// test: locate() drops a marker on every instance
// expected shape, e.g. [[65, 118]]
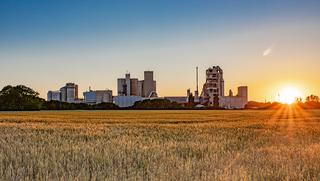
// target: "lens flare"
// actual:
[[288, 94]]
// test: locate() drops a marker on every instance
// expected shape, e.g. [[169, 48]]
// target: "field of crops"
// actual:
[[279, 144]]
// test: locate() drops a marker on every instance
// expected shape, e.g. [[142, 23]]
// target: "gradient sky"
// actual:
[[45, 44]]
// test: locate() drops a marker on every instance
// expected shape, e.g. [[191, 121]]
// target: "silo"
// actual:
[[76, 91], [243, 92], [140, 88], [70, 92], [128, 84], [63, 94], [134, 87], [148, 83], [121, 83], [154, 86]]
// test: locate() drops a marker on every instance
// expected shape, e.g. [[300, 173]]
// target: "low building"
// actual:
[[235, 102], [53, 96], [98, 96], [126, 101]]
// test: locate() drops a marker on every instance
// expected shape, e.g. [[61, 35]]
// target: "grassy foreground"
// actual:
[[279, 144]]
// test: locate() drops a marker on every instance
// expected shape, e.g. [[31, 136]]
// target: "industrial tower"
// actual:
[[213, 88]]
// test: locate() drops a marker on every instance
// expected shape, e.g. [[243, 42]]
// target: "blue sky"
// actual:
[[45, 44]]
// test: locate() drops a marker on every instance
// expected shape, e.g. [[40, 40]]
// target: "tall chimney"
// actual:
[[197, 77], [196, 93]]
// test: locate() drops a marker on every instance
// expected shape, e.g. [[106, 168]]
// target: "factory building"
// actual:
[[136, 89], [53, 96], [127, 86], [98, 96], [235, 102], [126, 101], [148, 83], [213, 88], [213, 91], [68, 93], [133, 87]]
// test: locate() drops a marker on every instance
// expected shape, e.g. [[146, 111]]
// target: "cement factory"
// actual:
[[213, 92], [131, 90]]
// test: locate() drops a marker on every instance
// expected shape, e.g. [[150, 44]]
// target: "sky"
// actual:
[[265, 45]]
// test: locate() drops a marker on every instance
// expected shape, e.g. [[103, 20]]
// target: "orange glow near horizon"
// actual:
[[288, 94]]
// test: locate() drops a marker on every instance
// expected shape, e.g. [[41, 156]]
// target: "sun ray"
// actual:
[[288, 95]]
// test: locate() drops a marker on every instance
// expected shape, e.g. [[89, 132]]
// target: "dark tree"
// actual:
[[312, 98], [19, 97], [298, 100], [156, 104]]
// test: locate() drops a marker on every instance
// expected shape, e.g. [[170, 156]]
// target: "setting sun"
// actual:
[[288, 94]]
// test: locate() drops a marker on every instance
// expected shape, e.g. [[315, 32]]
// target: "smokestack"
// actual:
[[197, 77], [196, 93]]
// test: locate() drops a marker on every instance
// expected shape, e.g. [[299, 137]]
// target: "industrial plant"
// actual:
[[98, 96], [213, 92], [68, 93], [131, 90]]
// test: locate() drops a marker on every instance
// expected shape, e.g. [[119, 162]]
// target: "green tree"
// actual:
[[19, 97]]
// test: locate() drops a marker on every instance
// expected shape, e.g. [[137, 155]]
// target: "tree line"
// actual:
[[311, 102], [21, 97]]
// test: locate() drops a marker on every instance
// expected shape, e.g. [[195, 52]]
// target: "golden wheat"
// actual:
[[160, 145]]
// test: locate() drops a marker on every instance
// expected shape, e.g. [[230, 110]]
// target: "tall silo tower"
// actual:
[[148, 83]]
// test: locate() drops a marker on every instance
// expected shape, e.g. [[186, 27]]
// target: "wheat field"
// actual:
[[279, 144]]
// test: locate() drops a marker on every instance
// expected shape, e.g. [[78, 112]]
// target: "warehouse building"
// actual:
[[126, 101], [98, 96], [235, 102]]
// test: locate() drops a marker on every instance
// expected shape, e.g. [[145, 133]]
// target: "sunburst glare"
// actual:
[[288, 94]]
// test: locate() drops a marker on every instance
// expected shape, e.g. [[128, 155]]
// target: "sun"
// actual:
[[288, 94]]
